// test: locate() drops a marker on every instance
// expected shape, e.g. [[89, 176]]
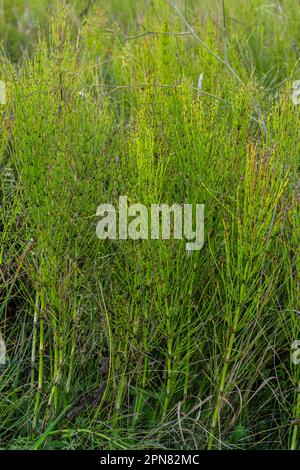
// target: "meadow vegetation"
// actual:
[[136, 344]]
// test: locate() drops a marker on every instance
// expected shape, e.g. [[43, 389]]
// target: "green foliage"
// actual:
[[103, 101]]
